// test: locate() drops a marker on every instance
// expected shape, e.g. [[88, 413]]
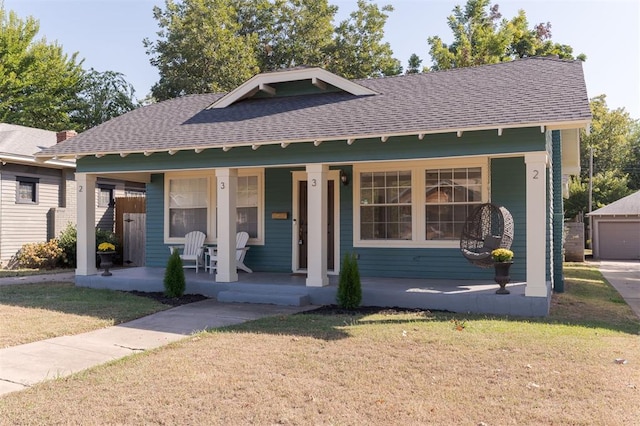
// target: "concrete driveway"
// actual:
[[624, 276]]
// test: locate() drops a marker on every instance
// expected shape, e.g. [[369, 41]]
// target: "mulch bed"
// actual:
[[322, 310]]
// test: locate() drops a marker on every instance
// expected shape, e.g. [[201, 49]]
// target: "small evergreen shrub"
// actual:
[[68, 241], [43, 255], [174, 281], [349, 294]]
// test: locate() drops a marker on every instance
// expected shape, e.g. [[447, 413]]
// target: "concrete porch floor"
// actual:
[[463, 296]]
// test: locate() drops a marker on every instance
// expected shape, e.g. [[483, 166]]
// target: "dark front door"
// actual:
[[303, 225]]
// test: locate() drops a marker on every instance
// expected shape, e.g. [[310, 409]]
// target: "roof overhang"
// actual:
[[262, 82], [31, 160], [350, 139]]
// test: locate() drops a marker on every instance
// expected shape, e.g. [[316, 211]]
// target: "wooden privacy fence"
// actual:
[[130, 228]]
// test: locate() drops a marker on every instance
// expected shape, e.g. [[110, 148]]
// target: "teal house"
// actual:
[[314, 166]]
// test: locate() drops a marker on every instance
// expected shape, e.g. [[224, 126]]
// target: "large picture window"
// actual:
[[188, 206], [385, 205], [450, 196], [418, 203]]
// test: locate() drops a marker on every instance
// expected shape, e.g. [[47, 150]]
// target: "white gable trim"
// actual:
[[318, 77]]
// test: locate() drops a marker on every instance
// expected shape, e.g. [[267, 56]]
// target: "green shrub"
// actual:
[[349, 294], [43, 255], [174, 281], [68, 242]]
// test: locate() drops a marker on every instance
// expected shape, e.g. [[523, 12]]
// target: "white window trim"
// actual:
[[210, 188], [213, 202], [418, 209], [259, 241]]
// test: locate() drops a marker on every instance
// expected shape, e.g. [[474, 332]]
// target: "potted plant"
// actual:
[[106, 252], [502, 261]]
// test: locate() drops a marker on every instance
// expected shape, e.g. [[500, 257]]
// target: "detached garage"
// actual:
[[616, 229]]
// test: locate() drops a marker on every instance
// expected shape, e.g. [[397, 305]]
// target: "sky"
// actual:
[[108, 35]]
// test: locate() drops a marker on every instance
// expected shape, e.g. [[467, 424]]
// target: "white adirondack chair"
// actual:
[[241, 250], [191, 250]]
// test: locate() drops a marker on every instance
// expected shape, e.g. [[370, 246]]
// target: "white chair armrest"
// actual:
[[172, 248]]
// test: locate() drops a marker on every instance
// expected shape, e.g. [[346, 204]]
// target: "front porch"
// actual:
[[461, 296]]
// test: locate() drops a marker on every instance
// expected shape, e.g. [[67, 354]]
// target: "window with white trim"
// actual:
[[247, 205], [416, 203], [385, 205], [188, 205], [450, 196], [191, 204]]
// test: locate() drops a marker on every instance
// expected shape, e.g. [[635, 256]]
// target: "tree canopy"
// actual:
[[38, 82], [215, 45], [615, 141], [103, 96], [41, 86], [481, 36]]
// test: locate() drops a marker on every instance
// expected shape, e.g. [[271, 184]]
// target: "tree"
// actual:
[[38, 82], [614, 139], [632, 166], [610, 137], [289, 32], [359, 51], [482, 37], [215, 45], [103, 96], [414, 64], [200, 48], [608, 186]]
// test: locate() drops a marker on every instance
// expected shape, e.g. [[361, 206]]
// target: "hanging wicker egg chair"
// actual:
[[487, 228]]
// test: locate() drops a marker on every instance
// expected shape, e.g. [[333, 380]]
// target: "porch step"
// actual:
[[282, 299]]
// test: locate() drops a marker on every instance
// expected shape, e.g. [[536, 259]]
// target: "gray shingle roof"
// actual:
[[23, 140], [528, 92], [627, 206]]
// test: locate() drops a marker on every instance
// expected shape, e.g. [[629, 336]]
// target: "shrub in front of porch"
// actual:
[[174, 281], [349, 295]]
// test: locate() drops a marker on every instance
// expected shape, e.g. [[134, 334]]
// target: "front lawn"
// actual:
[[31, 312], [384, 368]]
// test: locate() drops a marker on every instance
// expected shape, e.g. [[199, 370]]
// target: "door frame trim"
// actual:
[[297, 176]]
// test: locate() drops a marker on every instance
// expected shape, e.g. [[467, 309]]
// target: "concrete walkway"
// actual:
[[25, 365], [624, 276]]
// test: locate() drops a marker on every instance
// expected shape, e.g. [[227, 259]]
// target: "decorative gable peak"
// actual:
[[265, 84]]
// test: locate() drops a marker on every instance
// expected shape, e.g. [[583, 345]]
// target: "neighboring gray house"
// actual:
[[38, 199], [616, 229]]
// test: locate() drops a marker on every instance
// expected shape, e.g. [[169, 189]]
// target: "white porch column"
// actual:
[[536, 165], [86, 246], [317, 225], [227, 184]]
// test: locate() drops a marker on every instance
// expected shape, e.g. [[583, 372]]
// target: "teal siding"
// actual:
[[507, 177], [397, 148], [157, 253], [558, 215], [508, 189], [346, 216], [275, 255]]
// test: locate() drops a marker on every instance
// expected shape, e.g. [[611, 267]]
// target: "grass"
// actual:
[[31, 312], [388, 368], [6, 273]]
